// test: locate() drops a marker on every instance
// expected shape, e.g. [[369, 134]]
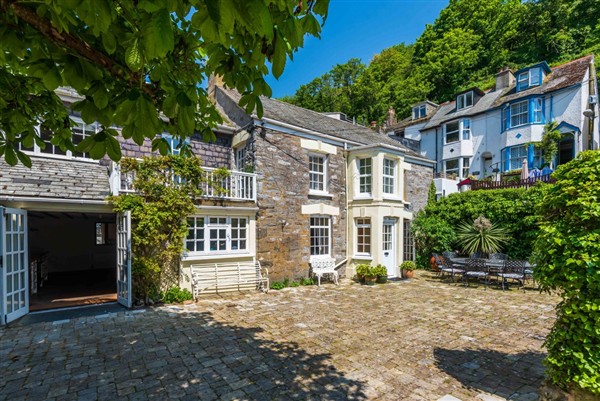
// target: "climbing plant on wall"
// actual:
[[166, 190]]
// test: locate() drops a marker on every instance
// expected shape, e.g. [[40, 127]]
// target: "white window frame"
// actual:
[[389, 176], [365, 179], [36, 150], [363, 239], [516, 160], [523, 78], [240, 158], [321, 224], [538, 75], [419, 111], [466, 165], [454, 170], [466, 129], [457, 132], [314, 175], [516, 119], [538, 110], [200, 235], [465, 100]]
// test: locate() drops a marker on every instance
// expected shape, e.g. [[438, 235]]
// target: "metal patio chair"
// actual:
[[513, 270], [498, 256], [477, 268], [450, 268]]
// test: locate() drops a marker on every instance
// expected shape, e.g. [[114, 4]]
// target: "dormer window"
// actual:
[[465, 100], [529, 78], [419, 111]]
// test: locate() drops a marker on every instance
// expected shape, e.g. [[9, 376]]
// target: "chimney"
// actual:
[[504, 78], [374, 125], [213, 82], [391, 117]]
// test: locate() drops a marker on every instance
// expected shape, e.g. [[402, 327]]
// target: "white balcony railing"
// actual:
[[237, 186]]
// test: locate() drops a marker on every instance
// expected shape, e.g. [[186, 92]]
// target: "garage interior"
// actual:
[[72, 259]]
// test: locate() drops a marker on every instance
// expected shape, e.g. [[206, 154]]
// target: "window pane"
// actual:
[[452, 132], [319, 236]]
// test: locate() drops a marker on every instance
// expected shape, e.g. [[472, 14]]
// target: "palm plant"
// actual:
[[482, 236]]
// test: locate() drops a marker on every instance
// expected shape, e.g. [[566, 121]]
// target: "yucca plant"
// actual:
[[482, 236]]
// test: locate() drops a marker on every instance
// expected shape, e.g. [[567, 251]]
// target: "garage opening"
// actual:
[[72, 259]]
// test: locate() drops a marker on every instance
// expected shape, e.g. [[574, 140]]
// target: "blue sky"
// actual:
[[356, 28]]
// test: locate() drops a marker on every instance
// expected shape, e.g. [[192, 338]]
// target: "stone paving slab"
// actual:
[[421, 339]]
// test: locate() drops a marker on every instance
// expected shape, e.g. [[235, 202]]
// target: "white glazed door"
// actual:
[[124, 259], [14, 262], [389, 247]]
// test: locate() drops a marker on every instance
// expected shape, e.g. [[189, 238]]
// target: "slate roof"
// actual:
[[55, 178], [314, 121], [407, 122], [562, 76]]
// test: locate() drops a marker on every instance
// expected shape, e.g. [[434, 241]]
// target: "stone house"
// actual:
[[484, 133], [326, 188], [61, 244]]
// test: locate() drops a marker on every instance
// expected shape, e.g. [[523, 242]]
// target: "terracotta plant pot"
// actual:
[[433, 264], [370, 280], [408, 273]]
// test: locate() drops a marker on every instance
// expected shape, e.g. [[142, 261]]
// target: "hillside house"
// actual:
[[483, 133]]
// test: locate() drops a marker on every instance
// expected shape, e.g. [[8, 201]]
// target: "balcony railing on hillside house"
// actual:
[[527, 183], [238, 186]]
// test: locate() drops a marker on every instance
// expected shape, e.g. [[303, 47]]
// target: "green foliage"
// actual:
[[408, 265], [432, 194], [278, 285], [567, 253], [432, 234], [434, 226], [134, 61], [482, 237], [307, 281], [550, 139], [470, 41], [176, 295], [285, 283], [367, 271], [158, 212], [379, 271]]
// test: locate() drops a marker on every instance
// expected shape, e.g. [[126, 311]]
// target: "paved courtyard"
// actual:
[[415, 340]]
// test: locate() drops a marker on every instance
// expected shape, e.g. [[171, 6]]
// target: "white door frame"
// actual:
[[393, 269], [19, 274], [124, 259]]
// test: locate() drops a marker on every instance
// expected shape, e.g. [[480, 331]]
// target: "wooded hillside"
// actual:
[[469, 42]]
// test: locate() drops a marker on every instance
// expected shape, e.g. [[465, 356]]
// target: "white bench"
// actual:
[[321, 267], [221, 277]]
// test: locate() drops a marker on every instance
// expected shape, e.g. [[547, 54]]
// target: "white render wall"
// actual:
[[488, 137]]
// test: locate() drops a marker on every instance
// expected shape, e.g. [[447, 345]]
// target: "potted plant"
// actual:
[[363, 270], [408, 267], [482, 237], [380, 271]]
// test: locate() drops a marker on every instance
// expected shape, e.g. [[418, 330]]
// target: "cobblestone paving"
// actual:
[[415, 340]]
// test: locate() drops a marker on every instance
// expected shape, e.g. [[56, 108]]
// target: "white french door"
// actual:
[[389, 247], [124, 259], [14, 262]]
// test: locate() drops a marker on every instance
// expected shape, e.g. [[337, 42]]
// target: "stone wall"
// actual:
[[283, 240], [418, 182]]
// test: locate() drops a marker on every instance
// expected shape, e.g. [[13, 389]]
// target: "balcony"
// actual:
[[237, 186]]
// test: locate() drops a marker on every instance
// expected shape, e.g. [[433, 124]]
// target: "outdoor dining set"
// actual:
[[497, 267]]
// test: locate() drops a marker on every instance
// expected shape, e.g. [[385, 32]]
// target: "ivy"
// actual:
[[166, 191], [435, 227], [567, 253]]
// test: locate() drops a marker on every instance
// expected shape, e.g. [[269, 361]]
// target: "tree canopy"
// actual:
[[139, 65], [469, 42]]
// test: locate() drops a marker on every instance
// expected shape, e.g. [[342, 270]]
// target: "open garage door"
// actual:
[[124, 296], [14, 282]]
